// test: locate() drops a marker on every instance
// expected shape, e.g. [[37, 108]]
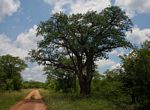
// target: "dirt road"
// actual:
[[33, 101]]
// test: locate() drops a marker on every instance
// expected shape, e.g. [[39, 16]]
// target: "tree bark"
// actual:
[[85, 75], [85, 86], [133, 99]]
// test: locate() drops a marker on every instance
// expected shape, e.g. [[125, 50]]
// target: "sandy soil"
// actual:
[[33, 101]]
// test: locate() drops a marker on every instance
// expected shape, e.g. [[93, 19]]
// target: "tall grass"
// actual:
[[62, 101], [8, 99]]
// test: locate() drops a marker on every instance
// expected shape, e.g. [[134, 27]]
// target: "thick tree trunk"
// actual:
[[133, 99], [85, 86], [85, 75]]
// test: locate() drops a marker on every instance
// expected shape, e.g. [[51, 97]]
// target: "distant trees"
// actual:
[[10, 69], [84, 38], [33, 84], [60, 79]]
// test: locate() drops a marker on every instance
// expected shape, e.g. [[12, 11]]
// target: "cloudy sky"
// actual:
[[19, 20]]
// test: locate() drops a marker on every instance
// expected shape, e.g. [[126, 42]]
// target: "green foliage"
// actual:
[[60, 80], [33, 84], [108, 86], [8, 99], [96, 81], [128, 86], [10, 68], [84, 38], [71, 101], [135, 75]]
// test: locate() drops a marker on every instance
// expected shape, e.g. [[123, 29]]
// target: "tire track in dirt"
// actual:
[[33, 101]]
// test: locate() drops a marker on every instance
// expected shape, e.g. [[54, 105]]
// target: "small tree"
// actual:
[[10, 68], [84, 38], [135, 75]]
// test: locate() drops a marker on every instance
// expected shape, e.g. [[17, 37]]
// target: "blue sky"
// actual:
[[19, 20]]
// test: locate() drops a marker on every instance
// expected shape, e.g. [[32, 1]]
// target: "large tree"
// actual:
[[10, 68], [84, 38]]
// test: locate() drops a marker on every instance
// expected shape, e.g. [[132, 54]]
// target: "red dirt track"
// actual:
[[33, 101]]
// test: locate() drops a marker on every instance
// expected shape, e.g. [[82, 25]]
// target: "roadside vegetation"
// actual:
[[70, 101], [8, 99]]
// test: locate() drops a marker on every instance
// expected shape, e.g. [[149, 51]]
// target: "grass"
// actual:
[[8, 99], [62, 101]]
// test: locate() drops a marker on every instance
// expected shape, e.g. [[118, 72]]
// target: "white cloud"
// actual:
[[120, 52], [83, 6], [116, 66], [133, 6], [7, 46], [23, 43], [103, 63], [78, 6], [28, 40], [34, 73], [139, 35], [8, 7], [20, 47]]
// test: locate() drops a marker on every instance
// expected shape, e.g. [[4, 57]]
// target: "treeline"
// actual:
[[33, 84]]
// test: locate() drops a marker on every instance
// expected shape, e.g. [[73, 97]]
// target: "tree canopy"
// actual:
[[84, 38], [10, 69], [135, 75]]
